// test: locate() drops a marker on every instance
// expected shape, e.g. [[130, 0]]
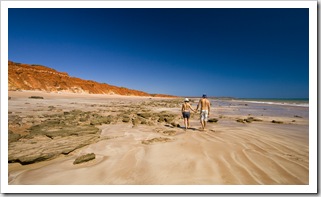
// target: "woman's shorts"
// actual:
[[186, 114]]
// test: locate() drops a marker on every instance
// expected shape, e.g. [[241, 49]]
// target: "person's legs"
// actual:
[[188, 123], [185, 123], [186, 116], [203, 119], [204, 124]]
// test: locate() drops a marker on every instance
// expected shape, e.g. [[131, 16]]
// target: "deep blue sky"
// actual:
[[244, 53]]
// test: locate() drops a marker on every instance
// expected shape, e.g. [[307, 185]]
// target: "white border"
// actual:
[[158, 4], [311, 188]]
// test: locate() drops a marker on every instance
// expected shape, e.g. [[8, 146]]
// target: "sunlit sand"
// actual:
[[138, 147]]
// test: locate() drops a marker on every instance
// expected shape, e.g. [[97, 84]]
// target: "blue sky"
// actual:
[[244, 53]]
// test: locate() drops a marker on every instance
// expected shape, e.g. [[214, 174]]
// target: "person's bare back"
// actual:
[[186, 107], [205, 104], [205, 107]]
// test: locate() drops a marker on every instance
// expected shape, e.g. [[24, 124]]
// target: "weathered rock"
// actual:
[[13, 137], [166, 117], [251, 119], [248, 120], [212, 120], [144, 115], [102, 120], [126, 119], [40, 148], [36, 97], [277, 122], [155, 140], [240, 120], [84, 158], [57, 134], [14, 120], [175, 124], [169, 132]]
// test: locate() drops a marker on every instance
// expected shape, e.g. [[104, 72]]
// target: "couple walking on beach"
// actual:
[[204, 105]]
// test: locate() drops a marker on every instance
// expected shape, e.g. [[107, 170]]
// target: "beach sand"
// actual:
[[155, 152]]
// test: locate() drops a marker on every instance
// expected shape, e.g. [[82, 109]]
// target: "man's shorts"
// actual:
[[204, 115], [186, 114]]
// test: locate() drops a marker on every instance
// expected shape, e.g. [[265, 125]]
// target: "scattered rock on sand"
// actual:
[[126, 119], [144, 115], [155, 140], [169, 132], [36, 97], [56, 134], [251, 119], [212, 120], [84, 158], [175, 124], [240, 120], [247, 120], [277, 122]]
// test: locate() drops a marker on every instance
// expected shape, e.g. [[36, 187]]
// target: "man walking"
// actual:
[[205, 106]]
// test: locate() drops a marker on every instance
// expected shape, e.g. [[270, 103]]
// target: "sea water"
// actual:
[[261, 107], [302, 102]]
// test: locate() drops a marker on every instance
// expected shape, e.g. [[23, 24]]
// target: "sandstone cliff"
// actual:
[[38, 77]]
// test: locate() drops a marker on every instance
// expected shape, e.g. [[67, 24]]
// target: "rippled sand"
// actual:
[[227, 153]]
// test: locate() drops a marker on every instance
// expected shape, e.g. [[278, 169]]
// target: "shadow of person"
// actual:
[[180, 127]]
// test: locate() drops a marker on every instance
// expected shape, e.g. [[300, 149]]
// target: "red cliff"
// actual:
[[38, 77]]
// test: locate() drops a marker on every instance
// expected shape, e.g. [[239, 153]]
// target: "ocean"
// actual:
[[301, 102], [262, 106]]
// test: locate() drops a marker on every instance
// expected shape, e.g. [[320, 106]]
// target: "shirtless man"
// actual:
[[205, 105], [186, 107]]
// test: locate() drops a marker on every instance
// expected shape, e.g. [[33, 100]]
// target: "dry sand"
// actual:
[[227, 153]]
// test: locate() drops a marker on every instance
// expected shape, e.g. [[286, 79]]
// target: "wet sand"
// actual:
[[227, 153]]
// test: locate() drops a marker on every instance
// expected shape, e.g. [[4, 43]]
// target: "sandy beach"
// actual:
[[142, 141]]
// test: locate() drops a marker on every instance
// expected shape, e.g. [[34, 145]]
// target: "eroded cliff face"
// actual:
[[38, 77]]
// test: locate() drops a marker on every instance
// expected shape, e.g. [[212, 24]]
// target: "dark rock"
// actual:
[[277, 122], [144, 115], [240, 120], [84, 158], [175, 124], [36, 97], [212, 120]]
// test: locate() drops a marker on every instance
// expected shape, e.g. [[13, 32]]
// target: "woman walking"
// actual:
[[186, 107]]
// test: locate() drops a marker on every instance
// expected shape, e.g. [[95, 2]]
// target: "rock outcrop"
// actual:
[[43, 136], [55, 135]]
